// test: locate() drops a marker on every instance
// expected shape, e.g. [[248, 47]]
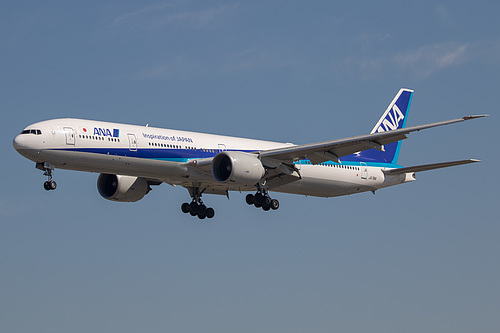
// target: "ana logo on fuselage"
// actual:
[[107, 132], [392, 120]]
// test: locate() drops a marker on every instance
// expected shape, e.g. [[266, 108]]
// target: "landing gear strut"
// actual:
[[197, 207], [47, 168]]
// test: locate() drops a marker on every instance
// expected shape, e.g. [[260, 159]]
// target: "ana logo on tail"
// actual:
[[392, 120]]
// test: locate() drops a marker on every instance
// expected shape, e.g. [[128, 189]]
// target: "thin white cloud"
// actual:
[[366, 67], [444, 16], [196, 19], [160, 71], [419, 63], [431, 58], [422, 62], [254, 59], [141, 12], [178, 67], [187, 65], [160, 15]]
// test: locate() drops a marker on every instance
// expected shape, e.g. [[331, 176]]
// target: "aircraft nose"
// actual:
[[19, 142]]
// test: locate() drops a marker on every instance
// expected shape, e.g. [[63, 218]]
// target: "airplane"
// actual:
[[130, 159]]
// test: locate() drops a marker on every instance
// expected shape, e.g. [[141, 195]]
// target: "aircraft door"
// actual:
[[364, 171], [222, 147], [70, 135], [132, 142]]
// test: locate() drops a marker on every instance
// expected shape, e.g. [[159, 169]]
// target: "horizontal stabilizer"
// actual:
[[426, 167]]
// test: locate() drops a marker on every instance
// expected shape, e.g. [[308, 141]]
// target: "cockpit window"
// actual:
[[32, 131]]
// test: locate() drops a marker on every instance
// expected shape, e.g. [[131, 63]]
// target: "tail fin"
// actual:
[[393, 118]]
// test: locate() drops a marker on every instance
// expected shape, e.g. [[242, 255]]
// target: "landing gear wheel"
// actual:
[[49, 185], [275, 204], [258, 198], [266, 207], [202, 211], [193, 208], [210, 213], [250, 199], [185, 208]]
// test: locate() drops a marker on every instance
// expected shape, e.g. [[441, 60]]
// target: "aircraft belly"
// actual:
[[165, 171]]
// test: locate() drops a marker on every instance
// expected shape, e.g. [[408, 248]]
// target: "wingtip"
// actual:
[[475, 116]]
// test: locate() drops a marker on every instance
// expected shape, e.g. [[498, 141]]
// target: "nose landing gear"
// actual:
[[47, 168]]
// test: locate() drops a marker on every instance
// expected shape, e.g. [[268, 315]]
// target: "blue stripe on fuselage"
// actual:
[[167, 154], [352, 163]]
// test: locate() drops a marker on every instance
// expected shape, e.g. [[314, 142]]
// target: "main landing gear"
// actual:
[[197, 207], [262, 200], [47, 168]]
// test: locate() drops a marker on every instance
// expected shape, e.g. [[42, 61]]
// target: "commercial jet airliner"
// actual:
[[130, 159]]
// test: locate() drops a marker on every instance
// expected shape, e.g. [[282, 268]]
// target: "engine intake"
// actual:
[[237, 167], [122, 188]]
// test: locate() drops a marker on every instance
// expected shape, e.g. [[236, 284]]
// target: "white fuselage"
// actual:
[[162, 154]]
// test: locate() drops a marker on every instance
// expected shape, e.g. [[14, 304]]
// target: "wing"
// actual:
[[334, 149]]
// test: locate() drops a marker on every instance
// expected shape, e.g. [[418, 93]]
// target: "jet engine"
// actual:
[[237, 168], [122, 188]]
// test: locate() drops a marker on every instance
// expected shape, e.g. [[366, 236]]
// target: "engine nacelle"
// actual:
[[237, 168], [122, 188]]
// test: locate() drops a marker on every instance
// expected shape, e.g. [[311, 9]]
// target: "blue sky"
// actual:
[[420, 257]]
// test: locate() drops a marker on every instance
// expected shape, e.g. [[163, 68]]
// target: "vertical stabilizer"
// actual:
[[393, 118]]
